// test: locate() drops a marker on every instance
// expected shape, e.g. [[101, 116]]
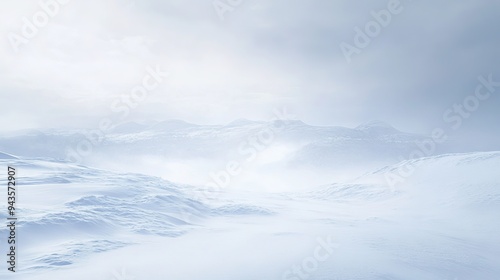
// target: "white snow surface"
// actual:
[[439, 223]]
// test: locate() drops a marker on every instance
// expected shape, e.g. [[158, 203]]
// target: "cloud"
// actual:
[[263, 55]]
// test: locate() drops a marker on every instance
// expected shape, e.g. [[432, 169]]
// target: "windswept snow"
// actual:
[[438, 223]]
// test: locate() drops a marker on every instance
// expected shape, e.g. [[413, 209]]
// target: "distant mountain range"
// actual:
[[174, 139]]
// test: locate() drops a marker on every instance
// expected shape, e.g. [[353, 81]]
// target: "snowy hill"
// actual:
[[70, 212], [377, 127], [439, 223]]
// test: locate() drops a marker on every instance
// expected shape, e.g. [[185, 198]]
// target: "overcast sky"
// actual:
[[264, 54]]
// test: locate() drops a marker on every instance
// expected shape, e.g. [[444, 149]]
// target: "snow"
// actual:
[[377, 127], [438, 222]]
